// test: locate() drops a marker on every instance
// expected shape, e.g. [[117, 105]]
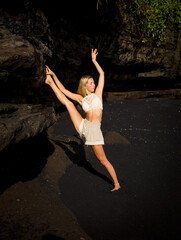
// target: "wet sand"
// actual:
[[59, 190]]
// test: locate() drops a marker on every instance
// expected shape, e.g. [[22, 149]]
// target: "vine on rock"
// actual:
[[153, 17]]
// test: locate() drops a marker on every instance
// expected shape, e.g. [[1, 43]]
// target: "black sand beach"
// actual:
[[73, 198], [143, 143]]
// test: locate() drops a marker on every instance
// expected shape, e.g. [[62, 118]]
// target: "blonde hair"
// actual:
[[82, 85]]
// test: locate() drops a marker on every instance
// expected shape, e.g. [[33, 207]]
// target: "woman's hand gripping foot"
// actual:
[[48, 79]]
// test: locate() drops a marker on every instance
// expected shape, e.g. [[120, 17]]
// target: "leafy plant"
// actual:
[[153, 17]]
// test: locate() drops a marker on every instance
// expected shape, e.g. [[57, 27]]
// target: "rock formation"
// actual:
[[19, 122], [61, 34], [22, 75]]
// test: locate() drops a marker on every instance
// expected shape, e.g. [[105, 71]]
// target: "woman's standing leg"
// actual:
[[100, 154], [74, 114]]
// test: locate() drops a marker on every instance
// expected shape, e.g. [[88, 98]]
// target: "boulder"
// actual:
[[20, 74], [23, 121], [22, 55]]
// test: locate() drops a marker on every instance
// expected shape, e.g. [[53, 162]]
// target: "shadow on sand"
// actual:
[[75, 151], [24, 161], [51, 237]]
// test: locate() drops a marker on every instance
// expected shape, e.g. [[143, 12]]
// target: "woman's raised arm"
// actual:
[[100, 85], [69, 94]]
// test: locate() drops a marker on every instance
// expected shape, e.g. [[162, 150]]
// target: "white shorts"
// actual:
[[91, 132]]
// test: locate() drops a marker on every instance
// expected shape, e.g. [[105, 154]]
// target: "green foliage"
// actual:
[[153, 17]]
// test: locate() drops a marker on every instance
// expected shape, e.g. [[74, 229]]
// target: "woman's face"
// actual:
[[90, 85]]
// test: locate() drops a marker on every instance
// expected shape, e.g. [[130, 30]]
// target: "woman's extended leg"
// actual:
[[100, 154], [74, 114]]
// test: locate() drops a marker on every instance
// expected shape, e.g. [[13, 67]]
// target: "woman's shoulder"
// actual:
[[88, 96], [98, 95]]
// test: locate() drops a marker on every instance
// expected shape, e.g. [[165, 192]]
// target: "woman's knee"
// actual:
[[68, 104]]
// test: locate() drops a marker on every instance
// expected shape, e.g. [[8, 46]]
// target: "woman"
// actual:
[[90, 98]]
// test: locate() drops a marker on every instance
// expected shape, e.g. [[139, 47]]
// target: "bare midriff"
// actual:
[[94, 115]]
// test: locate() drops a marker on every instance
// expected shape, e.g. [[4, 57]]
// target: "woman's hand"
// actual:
[[49, 71], [94, 54]]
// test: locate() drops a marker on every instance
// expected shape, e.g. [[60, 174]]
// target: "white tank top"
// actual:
[[90, 102]]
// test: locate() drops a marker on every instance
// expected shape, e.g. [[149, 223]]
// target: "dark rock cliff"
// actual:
[[61, 34], [22, 73], [128, 64], [19, 122]]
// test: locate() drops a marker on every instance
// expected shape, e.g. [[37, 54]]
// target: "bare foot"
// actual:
[[48, 79], [116, 187]]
